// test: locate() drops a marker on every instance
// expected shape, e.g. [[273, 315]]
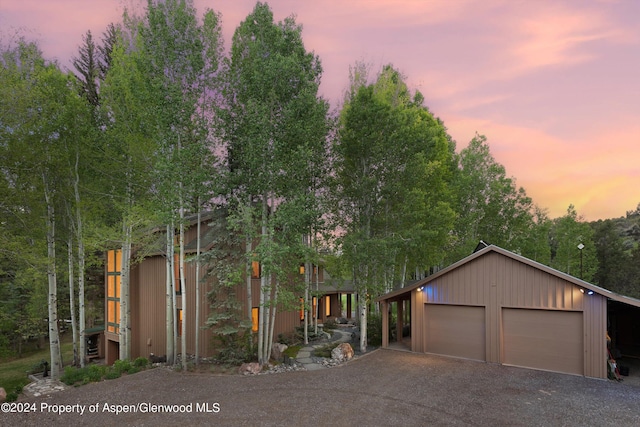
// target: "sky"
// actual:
[[553, 85]]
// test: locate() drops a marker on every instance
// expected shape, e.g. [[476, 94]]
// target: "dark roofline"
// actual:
[[492, 248]]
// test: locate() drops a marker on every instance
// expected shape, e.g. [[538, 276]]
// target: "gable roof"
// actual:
[[495, 249]]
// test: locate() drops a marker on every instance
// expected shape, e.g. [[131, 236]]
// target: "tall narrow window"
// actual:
[[327, 304], [176, 274], [255, 269], [114, 260], [179, 318], [255, 312]]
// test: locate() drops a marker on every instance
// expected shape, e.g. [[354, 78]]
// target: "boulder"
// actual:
[[276, 351], [342, 353], [250, 368], [3, 395], [341, 320]]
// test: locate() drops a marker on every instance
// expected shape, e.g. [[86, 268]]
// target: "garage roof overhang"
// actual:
[[405, 293]]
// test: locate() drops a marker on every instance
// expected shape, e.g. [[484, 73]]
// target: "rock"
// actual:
[[277, 350], [157, 359], [3, 395], [341, 321], [250, 368], [342, 353]]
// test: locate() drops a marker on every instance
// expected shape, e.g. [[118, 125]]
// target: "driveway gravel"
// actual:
[[382, 388]]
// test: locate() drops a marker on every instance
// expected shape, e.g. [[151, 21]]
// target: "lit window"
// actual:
[[114, 262], [255, 269], [327, 303], [179, 318], [255, 312], [176, 274]]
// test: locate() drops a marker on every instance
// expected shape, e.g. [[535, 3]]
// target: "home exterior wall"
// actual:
[[148, 311], [497, 282]]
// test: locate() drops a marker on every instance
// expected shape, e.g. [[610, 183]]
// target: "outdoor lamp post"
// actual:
[[581, 247]]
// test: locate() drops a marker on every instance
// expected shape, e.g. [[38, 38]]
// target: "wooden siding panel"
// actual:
[[595, 331]]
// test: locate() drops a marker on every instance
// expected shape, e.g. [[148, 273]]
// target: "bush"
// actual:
[[141, 362], [325, 350], [330, 325], [234, 350], [374, 329], [112, 374]]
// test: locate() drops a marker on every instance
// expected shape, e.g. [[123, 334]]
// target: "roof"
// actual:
[[492, 248]]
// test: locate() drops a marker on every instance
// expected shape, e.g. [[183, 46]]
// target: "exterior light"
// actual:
[[582, 290], [581, 247], [590, 293]]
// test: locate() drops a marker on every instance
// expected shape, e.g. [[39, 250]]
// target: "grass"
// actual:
[[14, 371], [325, 350], [292, 351]]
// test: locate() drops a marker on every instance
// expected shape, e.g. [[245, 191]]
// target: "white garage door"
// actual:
[[543, 339], [456, 330]]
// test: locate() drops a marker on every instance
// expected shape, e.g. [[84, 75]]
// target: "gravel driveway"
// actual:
[[385, 387]]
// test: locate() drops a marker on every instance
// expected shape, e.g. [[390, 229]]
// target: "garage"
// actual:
[[455, 330], [500, 307], [543, 339]]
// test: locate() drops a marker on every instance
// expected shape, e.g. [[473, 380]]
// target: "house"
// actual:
[[497, 306], [148, 297]]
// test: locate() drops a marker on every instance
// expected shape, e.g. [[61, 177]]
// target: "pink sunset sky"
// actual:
[[553, 85]]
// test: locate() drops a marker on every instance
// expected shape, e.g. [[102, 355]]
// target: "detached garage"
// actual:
[[500, 307]]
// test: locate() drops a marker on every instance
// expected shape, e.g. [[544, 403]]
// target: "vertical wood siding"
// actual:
[[496, 281]]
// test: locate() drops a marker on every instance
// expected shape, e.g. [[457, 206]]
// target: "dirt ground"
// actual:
[[383, 388]]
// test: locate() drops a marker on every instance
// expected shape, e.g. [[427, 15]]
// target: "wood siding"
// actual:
[[148, 311], [496, 282]]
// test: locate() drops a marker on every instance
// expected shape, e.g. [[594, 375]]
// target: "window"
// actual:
[[327, 303], [179, 320], [114, 260], [255, 269], [176, 274], [255, 312], [315, 271], [301, 308]]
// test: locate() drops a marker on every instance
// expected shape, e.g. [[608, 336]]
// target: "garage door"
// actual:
[[543, 339], [455, 330]]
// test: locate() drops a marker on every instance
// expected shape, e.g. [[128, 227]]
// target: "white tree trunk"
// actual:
[[125, 309], [248, 258], [169, 298], [81, 266], [72, 303], [52, 301], [362, 307], [183, 291], [197, 323], [272, 323]]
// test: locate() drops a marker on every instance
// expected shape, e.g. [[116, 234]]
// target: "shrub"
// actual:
[[292, 351], [325, 350], [374, 329], [141, 362], [330, 324], [234, 350], [123, 366], [112, 374]]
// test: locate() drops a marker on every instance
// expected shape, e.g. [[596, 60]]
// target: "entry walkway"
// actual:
[[312, 363]]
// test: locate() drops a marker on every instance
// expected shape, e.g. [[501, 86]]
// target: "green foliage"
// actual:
[[490, 205], [234, 350], [141, 362], [374, 329], [96, 373], [567, 233], [292, 350], [325, 350]]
